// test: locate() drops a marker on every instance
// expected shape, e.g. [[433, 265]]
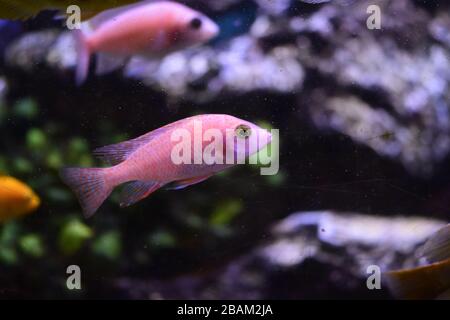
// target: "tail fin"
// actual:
[[89, 186], [83, 57]]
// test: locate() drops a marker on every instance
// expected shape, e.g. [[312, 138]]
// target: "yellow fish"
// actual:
[[23, 9], [430, 280], [16, 199]]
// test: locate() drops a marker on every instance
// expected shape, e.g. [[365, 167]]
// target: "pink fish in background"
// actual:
[[147, 163], [148, 28]]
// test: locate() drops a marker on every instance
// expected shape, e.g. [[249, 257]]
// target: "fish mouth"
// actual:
[[266, 137], [269, 137], [263, 139], [215, 30], [34, 203], [212, 30]]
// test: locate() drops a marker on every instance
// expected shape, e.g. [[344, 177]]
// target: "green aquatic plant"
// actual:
[[225, 212], [2, 112], [8, 255], [8, 233], [162, 239], [108, 245], [54, 160], [32, 245], [22, 165], [3, 165], [58, 195], [222, 216], [73, 235], [276, 180], [36, 139], [78, 152], [26, 108], [8, 236]]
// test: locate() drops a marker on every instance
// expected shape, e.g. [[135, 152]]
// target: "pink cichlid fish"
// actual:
[[148, 28], [147, 163]]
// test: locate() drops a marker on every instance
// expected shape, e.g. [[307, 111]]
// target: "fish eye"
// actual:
[[243, 131], [196, 23]]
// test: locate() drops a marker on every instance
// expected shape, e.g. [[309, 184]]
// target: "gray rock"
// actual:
[[241, 68], [339, 247], [32, 49]]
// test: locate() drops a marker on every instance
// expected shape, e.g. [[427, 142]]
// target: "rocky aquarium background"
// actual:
[[364, 120]]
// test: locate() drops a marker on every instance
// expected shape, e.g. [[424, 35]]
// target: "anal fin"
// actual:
[[181, 184], [136, 191], [107, 63]]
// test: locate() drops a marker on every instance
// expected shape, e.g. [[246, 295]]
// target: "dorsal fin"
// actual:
[[117, 153], [109, 14]]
